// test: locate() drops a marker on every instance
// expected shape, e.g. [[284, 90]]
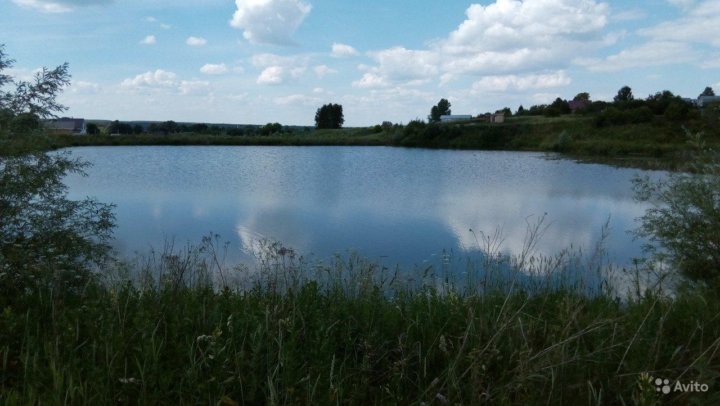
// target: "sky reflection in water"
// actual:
[[399, 206]]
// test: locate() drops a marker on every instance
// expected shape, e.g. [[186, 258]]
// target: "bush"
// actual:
[[684, 218]]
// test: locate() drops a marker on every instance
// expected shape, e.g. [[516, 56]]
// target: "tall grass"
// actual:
[[177, 327]]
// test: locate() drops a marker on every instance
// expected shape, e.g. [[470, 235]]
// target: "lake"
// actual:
[[397, 206]]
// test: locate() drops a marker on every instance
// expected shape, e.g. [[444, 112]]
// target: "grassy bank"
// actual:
[[350, 338], [659, 143]]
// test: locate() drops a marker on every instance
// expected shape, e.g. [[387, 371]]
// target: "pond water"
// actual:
[[397, 206]]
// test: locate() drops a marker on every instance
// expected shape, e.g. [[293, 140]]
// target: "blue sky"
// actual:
[[259, 61]]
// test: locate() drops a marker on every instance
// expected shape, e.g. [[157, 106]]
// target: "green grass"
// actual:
[[342, 333], [657, 144]]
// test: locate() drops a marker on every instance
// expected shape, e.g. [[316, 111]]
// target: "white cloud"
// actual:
[[695, 26], [151, 19], [648, 54], [522, 82], [269, 21], [157, 79], [371, 80], [323, 70], [507, 37], [297, 99], [196, 41], [272, 75], [399, 65], [149, 40], [165, 26], [162, 80], [343, 50], [214, 69], [278, 69], [193, 87], [58, 6]]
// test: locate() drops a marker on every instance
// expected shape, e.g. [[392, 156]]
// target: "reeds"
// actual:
[[177, 328]]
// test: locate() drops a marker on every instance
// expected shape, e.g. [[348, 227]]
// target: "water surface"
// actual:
[[394, 205]]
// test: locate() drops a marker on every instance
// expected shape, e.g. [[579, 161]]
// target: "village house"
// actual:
[[66, 126]]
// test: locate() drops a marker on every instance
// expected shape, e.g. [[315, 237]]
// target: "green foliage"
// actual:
[[329, 116], [561, 106], [707, 92], [684, 218], [22, 109], [45, 238], [271, 128], [350, 338], [92, 129], [612, 116], [440, 109], [624, 95], [583, 96]]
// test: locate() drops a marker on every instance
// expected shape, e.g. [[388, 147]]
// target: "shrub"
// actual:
[[684, 218]]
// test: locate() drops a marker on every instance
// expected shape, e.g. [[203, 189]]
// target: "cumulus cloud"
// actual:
[[149, 40], [399, 64], [269, 21], [150, 79], [342, 50], [272, 75], [58, 6], [214, 69], [278, 69], [164, 81], [521, 82], [508, 37], [196, 41]]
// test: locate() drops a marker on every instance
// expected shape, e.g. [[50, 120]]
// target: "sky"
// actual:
[[260, 61]]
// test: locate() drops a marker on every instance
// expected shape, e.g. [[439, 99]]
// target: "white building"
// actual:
[[705, 100]]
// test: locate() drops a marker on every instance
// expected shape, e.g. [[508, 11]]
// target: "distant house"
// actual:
[[455, 117], [66, 126], [703, 101], [492, 118], [497, 118]]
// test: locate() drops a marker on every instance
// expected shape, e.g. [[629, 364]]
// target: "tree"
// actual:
[[47, 240], [707, 92], [561, 106], [583, 96], [505, 111], [37, 98], [520, 111], [270, 128], [624, 95], [329, 116], [440, 109]]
